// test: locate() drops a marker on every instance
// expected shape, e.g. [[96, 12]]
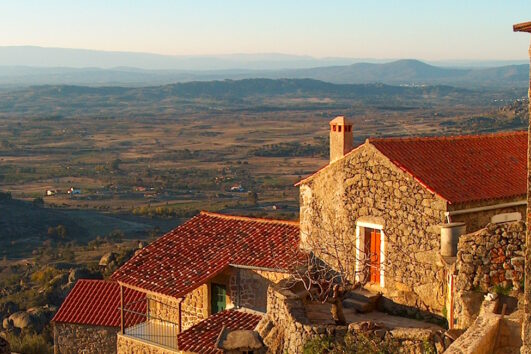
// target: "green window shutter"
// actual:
[[218, 297]]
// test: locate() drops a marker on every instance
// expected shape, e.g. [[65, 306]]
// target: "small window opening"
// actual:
[[339, 128], [333, 128]]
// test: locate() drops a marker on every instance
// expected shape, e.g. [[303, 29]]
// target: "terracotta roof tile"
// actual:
[[464, 168], [460, 168], [97, 303], [202, 337], [202, 247]]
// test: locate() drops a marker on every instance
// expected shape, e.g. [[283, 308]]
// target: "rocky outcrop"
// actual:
[[8, 308], [4, 346], [107, 258], [239, 341], [34, 318], [82, 273]]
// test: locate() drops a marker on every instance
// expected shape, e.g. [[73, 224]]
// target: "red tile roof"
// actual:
[[202, 247], [97, 303], [202, 337], [461, 168], [464, 168]]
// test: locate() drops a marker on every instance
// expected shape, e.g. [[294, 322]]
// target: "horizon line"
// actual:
[[301, 56]]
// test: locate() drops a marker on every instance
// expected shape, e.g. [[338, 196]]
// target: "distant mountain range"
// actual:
[[25, 66], [84, 58], [67, 100], [416, 72], [222, 90]]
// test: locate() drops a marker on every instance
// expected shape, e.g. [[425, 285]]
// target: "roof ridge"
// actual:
[[450, 137], [248, 218]]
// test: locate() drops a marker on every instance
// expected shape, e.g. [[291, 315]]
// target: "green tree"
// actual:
[[61, 231], [58, 232], [5, 195], [115, 164]]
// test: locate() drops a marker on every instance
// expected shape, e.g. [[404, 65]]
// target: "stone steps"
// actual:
[[362, 301], [358, 305]]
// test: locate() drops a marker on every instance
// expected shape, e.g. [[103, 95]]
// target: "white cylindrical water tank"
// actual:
[[450, 234]]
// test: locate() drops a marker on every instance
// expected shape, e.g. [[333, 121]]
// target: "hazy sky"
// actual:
[[428, 29]]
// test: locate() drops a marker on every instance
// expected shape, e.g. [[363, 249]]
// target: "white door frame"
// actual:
[[360, 244]]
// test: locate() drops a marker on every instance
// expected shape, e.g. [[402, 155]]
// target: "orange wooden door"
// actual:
[[375, 256]]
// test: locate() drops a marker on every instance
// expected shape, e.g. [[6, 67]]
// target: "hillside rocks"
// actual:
[[4, 346], [107, 258], [34, 318], [81, 273], [14, 318], [20, 319], [8, 308]]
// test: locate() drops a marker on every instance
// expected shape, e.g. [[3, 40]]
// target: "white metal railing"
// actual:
[[155, 331]]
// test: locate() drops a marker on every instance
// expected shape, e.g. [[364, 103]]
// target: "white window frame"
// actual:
[[360, 244]]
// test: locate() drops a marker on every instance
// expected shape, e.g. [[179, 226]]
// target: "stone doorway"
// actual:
[[373, 252], [370, 253]]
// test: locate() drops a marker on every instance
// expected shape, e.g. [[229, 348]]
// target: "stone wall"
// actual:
[[491, 259], [286, 329], [248, 287], [526, 331], [491, 256], [366, 186], [195, 306], [490, 333], [164, 308], [73, 338], [128, 345], [478, 220]]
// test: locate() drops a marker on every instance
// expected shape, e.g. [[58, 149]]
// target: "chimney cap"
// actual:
[[340, 120]]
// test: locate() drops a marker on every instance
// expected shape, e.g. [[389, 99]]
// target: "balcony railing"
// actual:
[[140, 324], [155, 331]]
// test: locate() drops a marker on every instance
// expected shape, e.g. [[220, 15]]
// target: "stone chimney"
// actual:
[[340, 138]]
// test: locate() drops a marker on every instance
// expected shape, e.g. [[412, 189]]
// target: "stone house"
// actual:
[[88, 320], [209, 274], [391, 196], [526, 332]]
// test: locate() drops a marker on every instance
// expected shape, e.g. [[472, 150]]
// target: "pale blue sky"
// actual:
[[431, 30]]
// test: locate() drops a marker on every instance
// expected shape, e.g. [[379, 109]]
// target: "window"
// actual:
[[218, 298], [339, 128], [334, 127]]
